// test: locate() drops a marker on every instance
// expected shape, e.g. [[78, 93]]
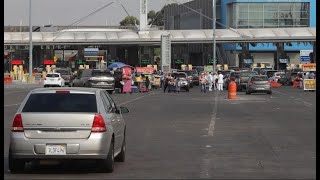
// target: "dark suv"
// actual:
[[66, 74], [95, 78]]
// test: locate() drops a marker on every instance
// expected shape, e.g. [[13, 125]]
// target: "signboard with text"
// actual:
[[305, 55], [17, 62], [309, 84], [309, 67], [144, 69], [166, 53]]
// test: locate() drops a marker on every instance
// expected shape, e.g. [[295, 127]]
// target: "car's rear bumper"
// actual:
[[103, 86], [49, 83], [95, 147]]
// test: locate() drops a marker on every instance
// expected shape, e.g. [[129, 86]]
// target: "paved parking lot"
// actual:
[[201, 135]]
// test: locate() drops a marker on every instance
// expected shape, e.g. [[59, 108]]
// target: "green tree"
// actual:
[[156, 18], [129, 21]]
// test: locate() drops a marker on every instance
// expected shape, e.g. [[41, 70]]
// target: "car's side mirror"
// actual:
[[124, 110]]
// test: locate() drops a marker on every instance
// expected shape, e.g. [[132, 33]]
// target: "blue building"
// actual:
[[239, 14]]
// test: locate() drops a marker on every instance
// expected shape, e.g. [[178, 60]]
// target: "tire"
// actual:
[[269, 92], [110, 91], [187, 89], [122, 155], [45, 86], [247, 92], [107, 165], [15, 165]]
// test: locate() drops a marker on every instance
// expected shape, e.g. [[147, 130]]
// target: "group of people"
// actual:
[[214, 81], [170, 82]]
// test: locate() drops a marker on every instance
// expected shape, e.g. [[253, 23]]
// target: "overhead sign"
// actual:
[[305, 55], [284, 61], [178, 61], [309, 67], [166, 53], [17, 62], [91, 51], [145, 61], [48, 62], [309, 84], [248, 61]]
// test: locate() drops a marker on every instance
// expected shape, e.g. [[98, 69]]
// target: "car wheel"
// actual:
[[15, 165], [122, 155], [45, 86], [110, 91], [187, 89], [269, 92], [107, 165], [247, 92]]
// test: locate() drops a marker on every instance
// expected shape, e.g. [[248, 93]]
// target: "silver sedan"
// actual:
[[67, 124]]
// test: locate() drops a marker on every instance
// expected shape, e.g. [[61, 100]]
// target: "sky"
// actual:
[[65, 12]]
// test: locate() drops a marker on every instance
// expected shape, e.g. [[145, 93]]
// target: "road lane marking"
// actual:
[[135, 99], [279, 93], [295, 99], [9, 105], [213, 117]]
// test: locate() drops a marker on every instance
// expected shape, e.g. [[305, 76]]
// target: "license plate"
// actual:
[[52, 79], [55, 150], [260, 88]]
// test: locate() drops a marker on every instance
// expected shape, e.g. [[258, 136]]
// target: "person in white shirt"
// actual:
[[215, 84], [210, 81], [220, 82]]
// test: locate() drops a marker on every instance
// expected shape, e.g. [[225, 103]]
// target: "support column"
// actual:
[[314, 52], [280, 54]]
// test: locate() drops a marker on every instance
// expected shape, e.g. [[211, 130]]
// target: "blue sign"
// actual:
[[248, 61], [305, 58]]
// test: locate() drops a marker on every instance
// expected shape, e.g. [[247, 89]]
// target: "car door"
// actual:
[[113, 119], [76, 81], [118, 118]]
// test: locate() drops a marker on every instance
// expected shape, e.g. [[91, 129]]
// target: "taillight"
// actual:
[[268, 83], [251, 83], [45, 78], [17, 125], [91, 78], [98, 124]]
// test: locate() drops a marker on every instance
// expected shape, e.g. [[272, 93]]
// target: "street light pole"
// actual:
[[214, 34], [30, 44]]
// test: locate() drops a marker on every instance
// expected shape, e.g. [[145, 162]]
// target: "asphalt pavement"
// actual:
[[192, 135]]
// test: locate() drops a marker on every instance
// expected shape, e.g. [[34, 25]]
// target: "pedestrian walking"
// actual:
[[215, 81], [166, 82], [203, 82], [148, 84], [220, 82], [210, 81]]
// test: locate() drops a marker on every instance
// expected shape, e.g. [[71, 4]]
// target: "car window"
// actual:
[[56, 102], [179, 75], [248, 73], [52, 75], [113, 104], [101, 73], [259, 78], [63, 72], [106, 102], [86, 73]]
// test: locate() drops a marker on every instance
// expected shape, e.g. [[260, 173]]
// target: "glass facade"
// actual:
[[269, 15]]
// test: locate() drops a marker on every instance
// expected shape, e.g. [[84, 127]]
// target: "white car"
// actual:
[[53, 79], [276, 76]]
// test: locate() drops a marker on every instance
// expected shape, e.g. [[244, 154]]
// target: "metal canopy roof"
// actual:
[[94, 36]]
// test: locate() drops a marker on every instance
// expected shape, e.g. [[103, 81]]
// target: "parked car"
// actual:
[[95, 78], [182, 78], [66, 74], [258, 84], [276, 76], [243, 79], [68, 124], [53, 79], [190, 76]]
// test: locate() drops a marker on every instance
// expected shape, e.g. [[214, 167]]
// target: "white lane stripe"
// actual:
[[214, 116], [9, 105], [135, 99], [279, 93]]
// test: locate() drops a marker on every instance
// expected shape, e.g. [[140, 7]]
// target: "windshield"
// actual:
[[101, 73], [179, 75], [63, 72], [259, 78], [248, 73], [52, 102], [52, 75]]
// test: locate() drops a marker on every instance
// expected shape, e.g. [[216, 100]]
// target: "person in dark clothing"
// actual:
[[166, 83], [147, 83], [118, 84]]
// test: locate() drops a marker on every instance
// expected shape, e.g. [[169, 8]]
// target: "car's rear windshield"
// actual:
[[101, 73], [59, 102], [189, 73], [52, 75], [179, 75], [63, 72], [270, 73], [248, 73], [259, 78]]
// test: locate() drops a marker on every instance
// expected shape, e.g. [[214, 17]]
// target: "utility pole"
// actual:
[[30, 44], [214, 34]]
